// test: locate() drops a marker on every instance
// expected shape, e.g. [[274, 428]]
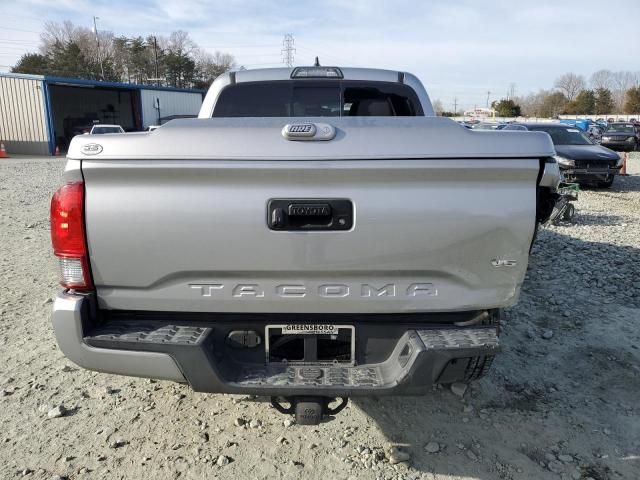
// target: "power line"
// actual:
[[259, 64], [17, 48], [324, 54], [18, 42], [20, 30], [95, 31], [259, 55], [288, 50], [218, 47]]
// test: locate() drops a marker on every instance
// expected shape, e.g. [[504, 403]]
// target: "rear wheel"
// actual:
[[608, 182], [479, 366], [569, 212]]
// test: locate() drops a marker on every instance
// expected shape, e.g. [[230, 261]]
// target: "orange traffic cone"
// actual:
[[3, 151], [623, 170], [57, 154]]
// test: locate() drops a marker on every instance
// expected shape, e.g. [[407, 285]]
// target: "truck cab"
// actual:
[[316, 92]]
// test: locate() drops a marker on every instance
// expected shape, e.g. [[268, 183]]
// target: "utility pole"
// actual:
[[155, 54], [95, 31], [288, 50], [455, 106], [488, 93]]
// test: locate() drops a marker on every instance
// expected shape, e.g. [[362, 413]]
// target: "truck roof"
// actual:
[[286, 73]]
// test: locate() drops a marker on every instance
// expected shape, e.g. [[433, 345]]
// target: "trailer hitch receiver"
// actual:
[[309, 410]]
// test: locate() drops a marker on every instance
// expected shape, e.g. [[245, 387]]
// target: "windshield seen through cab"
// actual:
[[107, 130], [564, 136], [619, 128], [317, 98]]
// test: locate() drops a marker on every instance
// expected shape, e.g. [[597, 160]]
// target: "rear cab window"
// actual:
[[313, 98]]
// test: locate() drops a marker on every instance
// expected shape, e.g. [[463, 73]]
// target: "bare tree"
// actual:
[[176, 59], [570, 85], [210, 66], [180, 43], [544, 103], [58, 33], [602, 79], [622, 81], [100, 48], [437, 107]]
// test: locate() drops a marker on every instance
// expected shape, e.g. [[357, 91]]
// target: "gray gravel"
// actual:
[[564, 407]]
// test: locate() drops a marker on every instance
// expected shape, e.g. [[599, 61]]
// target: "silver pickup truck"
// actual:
[[316, 234]]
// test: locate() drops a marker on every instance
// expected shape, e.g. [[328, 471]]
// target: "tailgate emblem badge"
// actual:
[[91, 149], [308, 131], [500, 263], [301, 130]]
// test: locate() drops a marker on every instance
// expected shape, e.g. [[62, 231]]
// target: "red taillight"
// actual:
[[68, 238]]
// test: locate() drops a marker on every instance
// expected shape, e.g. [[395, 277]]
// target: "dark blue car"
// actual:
[[580, 160]]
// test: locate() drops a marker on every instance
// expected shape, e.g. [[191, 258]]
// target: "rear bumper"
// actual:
[[189, 350], [72, 317]]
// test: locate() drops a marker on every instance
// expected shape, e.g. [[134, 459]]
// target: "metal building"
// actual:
[[40, 113], [23, 121]]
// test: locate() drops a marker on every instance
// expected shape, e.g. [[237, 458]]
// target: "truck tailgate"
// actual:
[[431, 234]]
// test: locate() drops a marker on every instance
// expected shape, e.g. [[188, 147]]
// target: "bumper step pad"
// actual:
[[148, 332], [485, 338]]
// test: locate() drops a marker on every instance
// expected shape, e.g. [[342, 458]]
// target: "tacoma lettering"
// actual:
[[327, 290]]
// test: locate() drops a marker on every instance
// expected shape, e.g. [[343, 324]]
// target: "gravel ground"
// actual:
[[561, 401]]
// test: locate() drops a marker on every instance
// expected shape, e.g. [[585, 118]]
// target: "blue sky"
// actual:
[[459, 48]]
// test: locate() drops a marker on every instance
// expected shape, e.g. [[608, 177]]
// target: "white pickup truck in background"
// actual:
[[317, 233]]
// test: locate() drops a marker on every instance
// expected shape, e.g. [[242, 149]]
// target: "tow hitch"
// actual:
[[309, 410]]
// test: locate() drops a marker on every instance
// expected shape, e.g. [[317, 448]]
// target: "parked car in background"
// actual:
[[594, 132], [579, 158], [485, 126], [103, 128], [621, 136], [582, 124]]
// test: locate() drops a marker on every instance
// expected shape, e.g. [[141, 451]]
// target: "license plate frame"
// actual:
[[310, 334]]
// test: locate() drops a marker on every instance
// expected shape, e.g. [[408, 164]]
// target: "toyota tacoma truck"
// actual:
[[316, 234]]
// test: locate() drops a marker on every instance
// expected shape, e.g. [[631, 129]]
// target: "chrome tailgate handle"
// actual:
[[310, 214]]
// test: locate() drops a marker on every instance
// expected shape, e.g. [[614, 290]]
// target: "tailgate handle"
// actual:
[[311, 214]]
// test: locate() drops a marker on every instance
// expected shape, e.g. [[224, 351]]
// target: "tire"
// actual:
[[477, 367], [607, 183], [569, 212]]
